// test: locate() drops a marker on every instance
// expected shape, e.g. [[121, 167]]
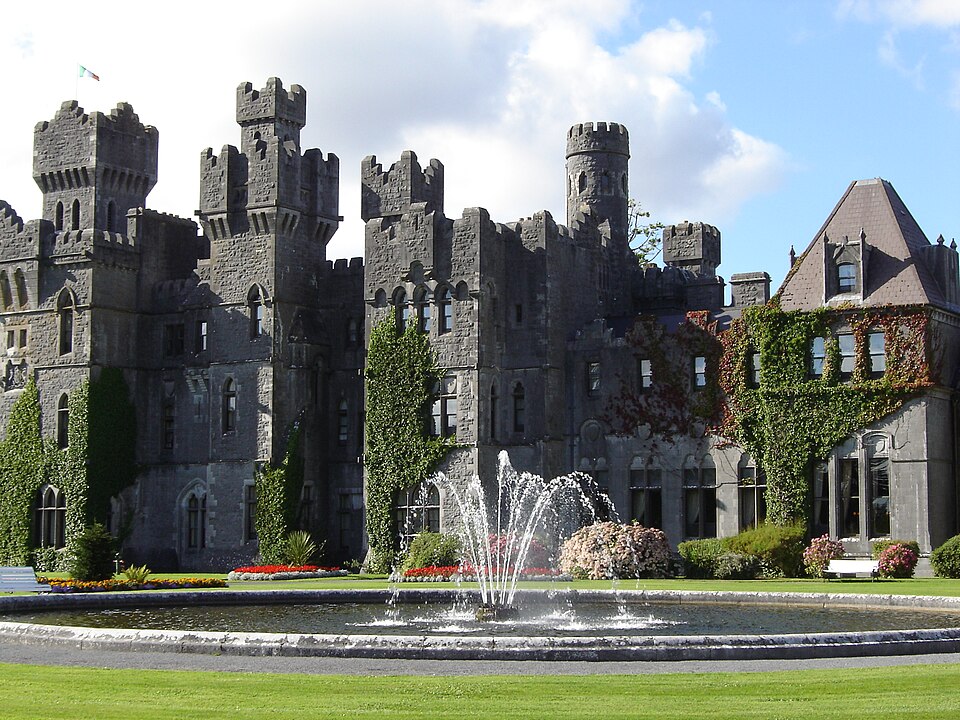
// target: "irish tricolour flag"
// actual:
[[86, 73]]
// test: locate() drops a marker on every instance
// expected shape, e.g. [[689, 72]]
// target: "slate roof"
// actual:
[[896, 273]]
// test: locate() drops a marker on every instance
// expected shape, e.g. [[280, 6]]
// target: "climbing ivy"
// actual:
[[98, 462], [278, 490], [792, 419], [400, 376]]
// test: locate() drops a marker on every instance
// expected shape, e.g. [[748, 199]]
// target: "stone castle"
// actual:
[[230, 334]]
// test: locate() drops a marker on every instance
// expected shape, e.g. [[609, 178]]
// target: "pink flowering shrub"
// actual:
[[609, 550], [897, 561], [818, 555]]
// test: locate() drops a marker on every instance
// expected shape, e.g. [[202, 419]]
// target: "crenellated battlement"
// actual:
[[392, 192], [10, 222], [598, 137], [271, 103], [694, 246]]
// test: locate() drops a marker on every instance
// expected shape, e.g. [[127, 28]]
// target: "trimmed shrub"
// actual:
[[429, 549], [93, 554], [777, 547], [880, 545], [945, 560], [700, 557], [818, 555], [897, 561], [609, 550], [732, 566]]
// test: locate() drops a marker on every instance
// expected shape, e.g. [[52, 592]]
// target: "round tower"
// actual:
[[597, 159]]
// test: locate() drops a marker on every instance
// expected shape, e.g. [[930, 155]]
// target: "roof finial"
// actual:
[[940, 239], [863, 235], [953, 244], [793, 256]]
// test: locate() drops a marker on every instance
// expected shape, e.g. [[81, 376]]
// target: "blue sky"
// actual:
[[750, 115]]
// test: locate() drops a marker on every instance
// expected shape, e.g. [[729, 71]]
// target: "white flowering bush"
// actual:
[[609, 550]]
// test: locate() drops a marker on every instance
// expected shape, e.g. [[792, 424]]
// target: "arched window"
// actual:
[[255, 308], [75, 215], [229, 406], [197, 520], [50, 517], [343, 427], [416, 510], [582, 183], [111, 217], [65, 316], [519, 409], [401, 310], [5, 293], [422, 302], [21, 282], [58, 217], [63, 421], [444, 311], [846, 277]]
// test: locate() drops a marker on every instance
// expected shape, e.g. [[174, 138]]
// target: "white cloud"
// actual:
[[490, 87], [904, 13]]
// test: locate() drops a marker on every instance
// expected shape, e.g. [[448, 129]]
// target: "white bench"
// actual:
[[20, 579], [853, 568]]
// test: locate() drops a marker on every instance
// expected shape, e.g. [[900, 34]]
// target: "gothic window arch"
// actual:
[[256, 303], [444, 311], [195, 511], [421, 300], [58, 216], [519, 409], [229, 406], [75, 215], [6, 295], [63, 421], [582, 183], [66, 312], [401, 311], [20, 281], [50, 516]]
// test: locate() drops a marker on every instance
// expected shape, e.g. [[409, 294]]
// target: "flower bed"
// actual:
[[66, 585], [455, 573], [284, 572]]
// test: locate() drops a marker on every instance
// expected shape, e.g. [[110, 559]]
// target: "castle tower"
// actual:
[[93, 168], [267, 187], [597, 180]]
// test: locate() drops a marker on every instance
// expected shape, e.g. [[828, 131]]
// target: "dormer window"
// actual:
[[846, 278]]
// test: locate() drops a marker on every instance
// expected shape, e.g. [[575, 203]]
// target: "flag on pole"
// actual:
[[86, 73]]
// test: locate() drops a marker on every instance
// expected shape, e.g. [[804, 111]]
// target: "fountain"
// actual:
[[497, 540]]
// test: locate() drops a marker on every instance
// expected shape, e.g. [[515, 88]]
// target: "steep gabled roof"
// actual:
[[896, 273]]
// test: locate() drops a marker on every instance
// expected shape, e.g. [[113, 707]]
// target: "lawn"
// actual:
[[931, 691]]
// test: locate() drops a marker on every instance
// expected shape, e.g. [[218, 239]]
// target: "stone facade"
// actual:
[[231, 333]]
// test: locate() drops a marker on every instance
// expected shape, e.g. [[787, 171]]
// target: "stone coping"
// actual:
[[603, 648]]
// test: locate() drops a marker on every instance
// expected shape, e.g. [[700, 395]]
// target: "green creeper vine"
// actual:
[[278, 490], [401, 374], [792, 419], [98, 462]]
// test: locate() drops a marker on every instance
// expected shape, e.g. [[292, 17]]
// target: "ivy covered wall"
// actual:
[[98, 462], [400, 376], [790, 419], [278, 490]]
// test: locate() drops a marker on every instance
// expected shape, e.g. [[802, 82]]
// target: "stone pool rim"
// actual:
[[453, 647]]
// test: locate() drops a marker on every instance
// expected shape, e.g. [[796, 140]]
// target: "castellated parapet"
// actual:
[[598, 137], [93, 168], [693, 246], [390, 193], [272, 103], [266, 185]]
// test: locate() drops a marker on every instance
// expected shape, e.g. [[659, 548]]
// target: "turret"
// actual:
[[597, 179], [93, 168], [390, 193]]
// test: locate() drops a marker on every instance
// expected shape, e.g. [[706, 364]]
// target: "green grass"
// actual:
[[930, 691]]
